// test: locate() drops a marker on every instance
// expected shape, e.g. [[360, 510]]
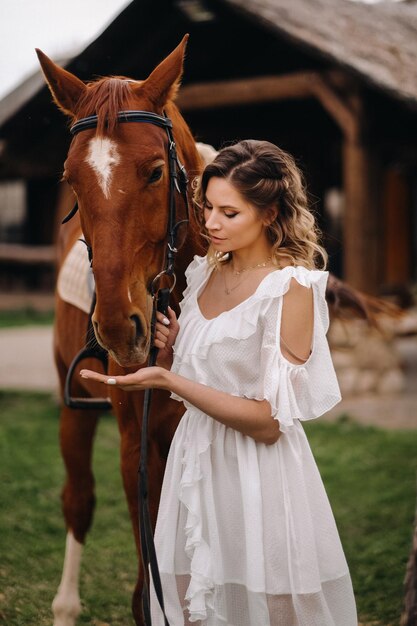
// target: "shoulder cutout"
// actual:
[[297, 322]]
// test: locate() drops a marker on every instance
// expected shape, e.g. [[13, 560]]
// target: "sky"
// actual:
[[61, 28]]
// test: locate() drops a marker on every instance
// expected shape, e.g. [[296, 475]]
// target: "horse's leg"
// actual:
[[77, 429], [129, 463]]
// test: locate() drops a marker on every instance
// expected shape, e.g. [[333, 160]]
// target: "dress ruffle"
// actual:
[[195, 273], [242, 320], [299, 392], [200, 590]]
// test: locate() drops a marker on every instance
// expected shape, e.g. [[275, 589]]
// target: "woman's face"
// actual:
[[231, 222]]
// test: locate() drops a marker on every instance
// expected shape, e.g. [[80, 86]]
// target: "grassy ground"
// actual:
[[25, 317], [369, 475], [32, 535]]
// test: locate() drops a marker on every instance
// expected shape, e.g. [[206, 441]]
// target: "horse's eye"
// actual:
[[156, 175]]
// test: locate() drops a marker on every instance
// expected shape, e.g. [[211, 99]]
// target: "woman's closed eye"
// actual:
[[229, 214]]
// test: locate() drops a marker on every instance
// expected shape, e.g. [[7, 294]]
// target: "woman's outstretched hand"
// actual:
[[144, 378], [166, 331]]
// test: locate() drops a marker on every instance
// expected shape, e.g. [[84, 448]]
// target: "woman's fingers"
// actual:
[[100, 378], [161, 331], [160, 340], [172, 318], [128, 379], [162, 318]]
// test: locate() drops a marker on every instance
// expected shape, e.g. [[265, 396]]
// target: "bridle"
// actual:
[[178, 181], [178, 178]]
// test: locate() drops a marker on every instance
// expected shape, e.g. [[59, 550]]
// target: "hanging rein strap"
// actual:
[[178, 181]]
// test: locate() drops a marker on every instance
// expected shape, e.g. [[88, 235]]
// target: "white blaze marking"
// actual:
[[103, 157]]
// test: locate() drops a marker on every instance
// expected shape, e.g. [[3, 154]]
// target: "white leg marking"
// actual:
[[103, 157], [66, 605]]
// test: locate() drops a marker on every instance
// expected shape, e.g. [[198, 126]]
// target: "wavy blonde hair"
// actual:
[[268, 179]]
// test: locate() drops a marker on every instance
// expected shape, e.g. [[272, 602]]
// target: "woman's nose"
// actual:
[[212, 222]]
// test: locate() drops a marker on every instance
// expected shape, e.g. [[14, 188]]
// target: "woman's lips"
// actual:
[[213, 238]]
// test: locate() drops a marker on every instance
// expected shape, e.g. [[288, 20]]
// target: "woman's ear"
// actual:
[[270, 215]]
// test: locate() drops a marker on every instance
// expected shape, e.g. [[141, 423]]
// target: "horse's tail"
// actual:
[[346, 301]]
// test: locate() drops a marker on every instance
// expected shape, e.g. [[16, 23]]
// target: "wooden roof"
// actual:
[[377, 41], [244, 39]]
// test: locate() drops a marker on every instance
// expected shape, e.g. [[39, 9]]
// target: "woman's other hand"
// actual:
[[166, 331], [144, 378]]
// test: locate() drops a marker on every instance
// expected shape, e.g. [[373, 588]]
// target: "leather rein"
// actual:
[[178, 181]]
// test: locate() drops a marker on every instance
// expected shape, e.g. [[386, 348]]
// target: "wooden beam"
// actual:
[[343, 115], [27, 255], [263, 89], [257, 90]]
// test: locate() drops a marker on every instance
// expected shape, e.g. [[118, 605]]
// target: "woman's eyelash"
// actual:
[[229, 215]]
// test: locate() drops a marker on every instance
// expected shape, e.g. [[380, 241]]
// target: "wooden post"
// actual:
[[361, 231]]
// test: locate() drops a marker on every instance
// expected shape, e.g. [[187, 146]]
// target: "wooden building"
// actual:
[[332, 81]]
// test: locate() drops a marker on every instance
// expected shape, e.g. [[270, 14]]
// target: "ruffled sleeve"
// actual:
[[304, 391], [194, 274]]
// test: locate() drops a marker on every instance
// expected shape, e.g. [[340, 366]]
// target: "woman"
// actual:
[[245, 535]]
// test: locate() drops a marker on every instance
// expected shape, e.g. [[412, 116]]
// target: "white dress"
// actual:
[[245, 534]]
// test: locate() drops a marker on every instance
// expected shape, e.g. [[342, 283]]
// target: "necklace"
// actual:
[[252, 267], [228, 290]]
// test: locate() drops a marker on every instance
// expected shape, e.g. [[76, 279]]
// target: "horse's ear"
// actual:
[[163, 84], [66, 88]]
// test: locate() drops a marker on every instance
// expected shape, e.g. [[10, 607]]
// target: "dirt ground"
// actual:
[[26, 359], [26, 362]]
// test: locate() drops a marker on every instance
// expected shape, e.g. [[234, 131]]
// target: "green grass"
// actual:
[[370, 476], [25, 317], [32, 534]]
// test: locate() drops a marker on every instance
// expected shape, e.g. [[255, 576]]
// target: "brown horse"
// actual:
[[119, 174]]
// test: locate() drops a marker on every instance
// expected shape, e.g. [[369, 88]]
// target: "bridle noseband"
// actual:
[[178, 181]]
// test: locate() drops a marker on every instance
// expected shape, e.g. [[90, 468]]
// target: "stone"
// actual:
[[367, 381], [342, 359], [392, 381], [347, 380], [375, 353]]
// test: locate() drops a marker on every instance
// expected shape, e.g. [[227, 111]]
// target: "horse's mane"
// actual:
[[105, 97]]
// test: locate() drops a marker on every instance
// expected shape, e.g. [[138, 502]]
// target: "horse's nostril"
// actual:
[[138, 326]]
